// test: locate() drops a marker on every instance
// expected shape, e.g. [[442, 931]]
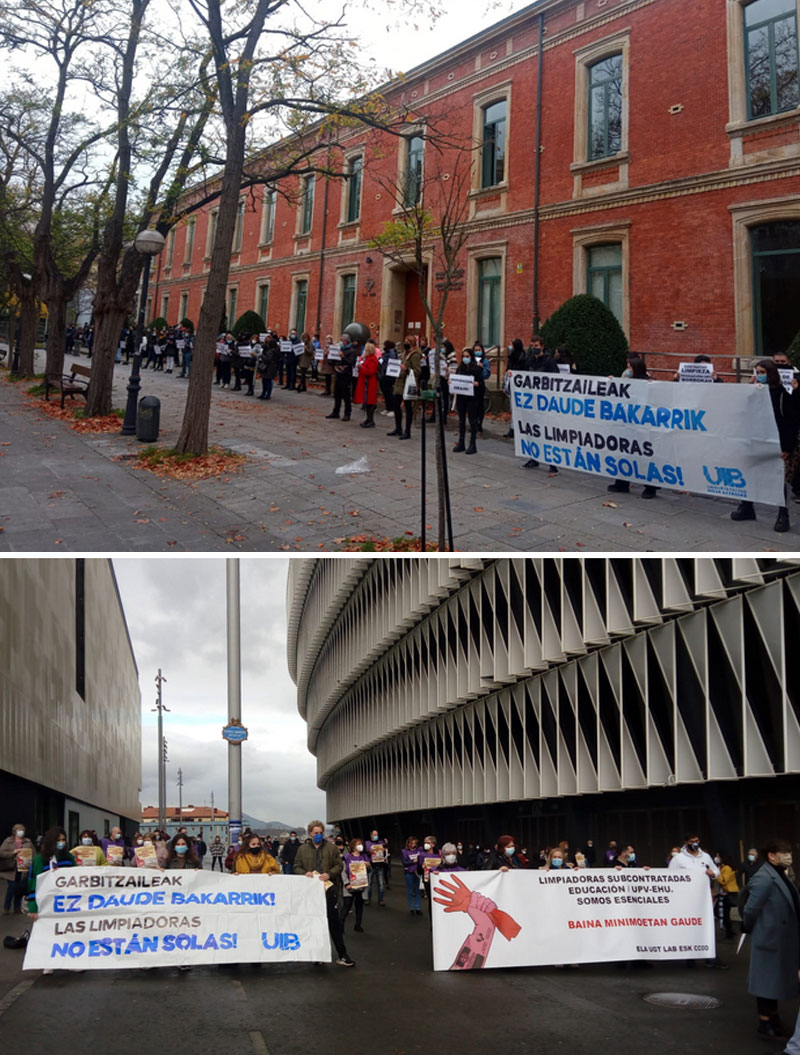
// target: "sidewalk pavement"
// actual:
[[61, 491]]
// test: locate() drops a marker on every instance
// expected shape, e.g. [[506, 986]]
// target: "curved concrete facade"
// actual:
[[454, 687]]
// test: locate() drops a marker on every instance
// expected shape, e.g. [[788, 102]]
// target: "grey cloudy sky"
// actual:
[[175, 608]]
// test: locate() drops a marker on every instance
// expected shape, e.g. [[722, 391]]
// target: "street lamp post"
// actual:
[[149, 244]]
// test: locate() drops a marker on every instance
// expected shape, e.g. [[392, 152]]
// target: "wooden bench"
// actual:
[[73, 384]]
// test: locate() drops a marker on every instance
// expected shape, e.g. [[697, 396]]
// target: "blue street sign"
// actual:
[[234, 734]]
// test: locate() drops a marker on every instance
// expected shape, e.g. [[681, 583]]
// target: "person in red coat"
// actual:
[[367, 384]]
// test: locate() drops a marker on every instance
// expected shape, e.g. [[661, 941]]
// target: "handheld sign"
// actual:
[[393, 368], [696, 372], [787, 376], [298, 348], [334, 353], [462, 384]]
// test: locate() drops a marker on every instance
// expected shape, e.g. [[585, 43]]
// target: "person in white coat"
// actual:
[[693, 858]]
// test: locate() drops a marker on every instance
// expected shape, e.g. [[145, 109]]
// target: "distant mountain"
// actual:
[[255, 823]]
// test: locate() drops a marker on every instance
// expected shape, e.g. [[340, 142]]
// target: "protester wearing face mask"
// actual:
[[181, 854], [16, 854], [253, 858], [467, 406], [772, 918], [786, 410], [319, 860], [411, 854], [750, 865], [692, 858], [52, 856], [87, 852], [217, 851], [627, 858], [503, 856], [288, 853], [356, 881], [450, 862], [554, 860], [376, 850], [114, 848], [463, 855], [727, 891]]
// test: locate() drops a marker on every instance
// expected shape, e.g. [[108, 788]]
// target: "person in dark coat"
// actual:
[[410, 363], [343, 379], [468, 406], [772, 917], [367, 384], [268, 365], [503, 856], [538, 360], [786, 408]]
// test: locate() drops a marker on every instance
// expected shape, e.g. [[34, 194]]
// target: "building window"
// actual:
[[184, 308], [80, 627], [605, 107], [170, 248], [307, 214], [348, 301], [238, 230], [164, 305], [189, 248], [300, 303], [212, 231], [604, 276], [775, 254], [355, 168], [263, 301], [413, 173], [233, 296], [490, 290], [268, 214], [771, 58], [493, 150]]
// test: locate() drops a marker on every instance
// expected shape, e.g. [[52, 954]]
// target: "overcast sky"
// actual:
[[175, 608]]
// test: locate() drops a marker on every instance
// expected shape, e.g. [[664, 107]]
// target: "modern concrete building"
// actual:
[[578, 698], [70, 724]]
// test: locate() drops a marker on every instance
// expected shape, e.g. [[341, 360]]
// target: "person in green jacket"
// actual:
[[319, 859], [53, 855]]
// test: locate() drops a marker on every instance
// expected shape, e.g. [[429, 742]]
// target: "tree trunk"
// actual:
[[28, 321], [106, 338], [56, 334], [193, 438]]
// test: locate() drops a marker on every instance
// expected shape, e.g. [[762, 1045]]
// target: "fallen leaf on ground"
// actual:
[[611, 505]]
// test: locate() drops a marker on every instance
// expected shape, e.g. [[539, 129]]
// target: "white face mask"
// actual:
[[148, 842], [360, 848], [428, 846], [86, 842], [450, 859], [19, 832]]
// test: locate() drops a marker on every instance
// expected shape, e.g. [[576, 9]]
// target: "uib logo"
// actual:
[[725, 477]]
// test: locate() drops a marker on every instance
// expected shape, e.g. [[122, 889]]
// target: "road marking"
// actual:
[[240, 993], [259, 1044], [15, 994]]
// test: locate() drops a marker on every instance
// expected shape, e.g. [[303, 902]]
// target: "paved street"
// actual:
[[391, 1000], [62, 491]]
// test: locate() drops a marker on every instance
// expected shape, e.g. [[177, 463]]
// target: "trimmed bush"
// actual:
[[592, 334], [247, 324], [158, 324], [187, 325]]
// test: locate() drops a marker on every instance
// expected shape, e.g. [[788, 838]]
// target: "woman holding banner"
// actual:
[[786, 408], [637, 369], [53, 854]]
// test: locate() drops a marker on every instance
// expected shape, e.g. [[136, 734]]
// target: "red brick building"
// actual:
[[669, 185]]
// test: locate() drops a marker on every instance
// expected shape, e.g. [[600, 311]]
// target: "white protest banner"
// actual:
[[334, 352], [696, 372], [393, 368], [118, 917], [711, 439], [586, 915], [462, 384]]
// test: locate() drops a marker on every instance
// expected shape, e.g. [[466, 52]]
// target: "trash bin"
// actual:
[[148, 419]]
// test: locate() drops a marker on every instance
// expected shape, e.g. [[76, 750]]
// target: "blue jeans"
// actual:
[[186, 364], [412, 888], [793, 1047], [266, 387], [375, 880]]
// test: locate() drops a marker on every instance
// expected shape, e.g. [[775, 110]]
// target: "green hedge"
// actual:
[[248, 324], [592, 334]]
